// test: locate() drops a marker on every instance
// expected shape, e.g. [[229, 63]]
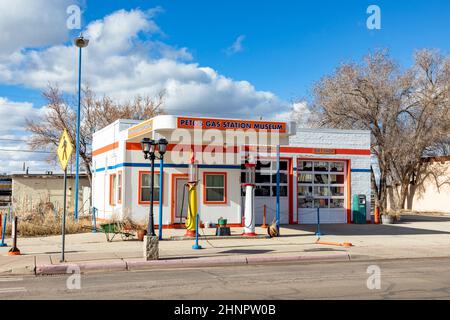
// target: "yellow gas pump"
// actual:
[[192, 199]]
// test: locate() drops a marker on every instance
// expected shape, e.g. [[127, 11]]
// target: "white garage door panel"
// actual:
[[327, 216], [271, 204]]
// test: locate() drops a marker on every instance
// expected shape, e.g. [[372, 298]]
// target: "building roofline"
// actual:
[[43, 175], [330, 130], [118, 121]]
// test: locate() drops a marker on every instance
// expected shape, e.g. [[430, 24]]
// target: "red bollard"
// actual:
[[264, 225], [377, 215]]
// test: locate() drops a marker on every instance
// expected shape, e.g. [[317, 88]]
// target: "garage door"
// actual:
[[321, 184]]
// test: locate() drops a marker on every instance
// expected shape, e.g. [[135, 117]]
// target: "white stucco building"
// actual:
[[318, 168]]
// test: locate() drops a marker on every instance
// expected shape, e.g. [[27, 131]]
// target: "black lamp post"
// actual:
[[149, 148]]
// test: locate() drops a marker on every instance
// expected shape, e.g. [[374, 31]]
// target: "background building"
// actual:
[[38, 192], [5, 190], [433, 195]]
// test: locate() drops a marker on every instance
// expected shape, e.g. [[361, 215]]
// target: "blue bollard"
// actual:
[[318, 233], [196, 246], [3, 244]]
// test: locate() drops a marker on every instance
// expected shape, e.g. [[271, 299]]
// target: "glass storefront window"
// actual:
[[321, 191], [305, 166], [262, 191], [305, 178], [262, 177], [305, 190], [321, 178], [283, 178], [336, 167], [337, 203], [266, 178], [320, 203], [305, 203], [336, 178], [283, 191], [337, 191], [320, 166]]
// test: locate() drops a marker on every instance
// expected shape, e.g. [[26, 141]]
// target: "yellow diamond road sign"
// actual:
[[65, 150]]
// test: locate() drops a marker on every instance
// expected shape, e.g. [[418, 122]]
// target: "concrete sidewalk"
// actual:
[[415, 237]]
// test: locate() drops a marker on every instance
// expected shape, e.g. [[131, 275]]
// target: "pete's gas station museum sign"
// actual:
[[222, 124]]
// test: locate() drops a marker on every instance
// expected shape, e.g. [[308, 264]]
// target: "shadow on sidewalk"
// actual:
[[365, 229], [324, 249], [246, 251], [421, 218]]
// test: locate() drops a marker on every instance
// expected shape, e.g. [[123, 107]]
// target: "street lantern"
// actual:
[[149, 148], [79, 42], [162, 146]]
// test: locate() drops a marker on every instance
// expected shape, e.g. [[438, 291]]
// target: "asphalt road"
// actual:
[[400, 279]]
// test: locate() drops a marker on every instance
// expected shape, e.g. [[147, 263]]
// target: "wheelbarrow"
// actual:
[[116, 228]]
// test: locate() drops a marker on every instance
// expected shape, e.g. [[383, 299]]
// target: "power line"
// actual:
[[31, 151], [34, 160], [5, 139]]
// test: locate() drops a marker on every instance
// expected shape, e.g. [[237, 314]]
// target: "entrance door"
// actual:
[[181, 204]]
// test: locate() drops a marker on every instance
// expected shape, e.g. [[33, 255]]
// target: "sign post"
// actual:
[[278, 190], [3, 243], [64, 152]]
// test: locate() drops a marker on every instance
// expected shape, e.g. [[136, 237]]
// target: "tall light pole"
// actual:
[[80, 42]]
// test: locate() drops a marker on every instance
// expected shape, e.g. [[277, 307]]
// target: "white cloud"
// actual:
[[236, 46], [299, 112], [29, 24], [124, 58], [13, 137], [13, 115]]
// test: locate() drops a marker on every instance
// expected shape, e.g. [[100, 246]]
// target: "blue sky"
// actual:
[[292, 43], [280, 49], [288, 44]]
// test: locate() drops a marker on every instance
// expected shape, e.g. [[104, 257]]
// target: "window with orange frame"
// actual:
[[119, 187], [112, 189], [215, 188], [144, 187]]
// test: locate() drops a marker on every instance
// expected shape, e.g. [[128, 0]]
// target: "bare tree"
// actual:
[[96, 113], [407, 112]]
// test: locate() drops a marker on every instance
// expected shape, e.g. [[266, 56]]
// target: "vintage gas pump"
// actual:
[[249, 210], [192, 198], [359, 208]]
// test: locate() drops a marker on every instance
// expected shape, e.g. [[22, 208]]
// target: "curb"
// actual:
[[212, 237], [65, 268], [182, 263]]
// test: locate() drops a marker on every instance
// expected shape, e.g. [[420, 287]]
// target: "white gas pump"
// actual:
[[249, 210]]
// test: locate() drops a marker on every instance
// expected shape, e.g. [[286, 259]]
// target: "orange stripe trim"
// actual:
[[337, 151], [136, 146], [106, 148]]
